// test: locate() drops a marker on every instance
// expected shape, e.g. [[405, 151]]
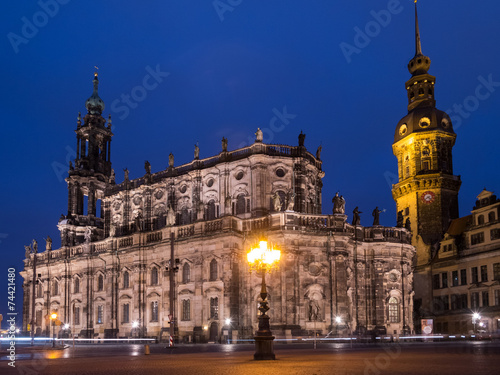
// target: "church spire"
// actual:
[[418, 45], [94, 104]]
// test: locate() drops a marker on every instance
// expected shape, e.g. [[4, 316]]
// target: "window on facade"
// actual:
[[186, 309], [126, 280], [211, 210], [76, 316], [491, 216], [435, 281], [214, 308], [474, 300], [185, 217], [454, 301], [39, 290], [100, 311], [454, 278], [38, 318], [480, 220], [425, 165], [445, 302], [76, 285], [154, 311], [462, 301], [240, 204], [477, 238], [213, 270], [484, 273], [485, 296], [444, 279], [154, 276], [186, 273], [497, 298], [125, 313], [393, 310], [495, 234], [473, 274], [56, 288], [496, 271], [100, 283], [463, 277]]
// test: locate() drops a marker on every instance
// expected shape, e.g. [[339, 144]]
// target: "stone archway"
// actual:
[[214, 332]]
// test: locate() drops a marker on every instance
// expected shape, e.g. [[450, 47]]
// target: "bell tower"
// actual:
[[427, 189], [89, 177]]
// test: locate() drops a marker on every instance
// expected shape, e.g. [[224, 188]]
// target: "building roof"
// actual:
[[458, 226]]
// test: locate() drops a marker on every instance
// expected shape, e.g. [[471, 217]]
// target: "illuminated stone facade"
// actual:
[[111, 269]]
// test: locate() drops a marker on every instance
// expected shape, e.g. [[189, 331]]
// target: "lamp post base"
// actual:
[[264, 348]]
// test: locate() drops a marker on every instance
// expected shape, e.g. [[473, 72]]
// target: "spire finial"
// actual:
[[96, 73], [418, 45]]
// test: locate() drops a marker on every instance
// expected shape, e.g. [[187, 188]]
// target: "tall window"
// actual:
[[125, 313], [491, 216], [444, 279], [126, 280], [454, 278], [496, 271], [154, 311], [485, 296], [185, 217], [477, 238], [480, 219], [100, 283], [39, 290], [211, 210], [76, 285], [393, 310], [435, 281], [473, 274], [240, 204], [497, 297], [56, 288], [484, 273], [495, 234], [186, 309], [474, 300], [463, 277], [100, 310], [214, 308], [154, 276], [186, 273], [38, 318], [213, 270], [76, 316]]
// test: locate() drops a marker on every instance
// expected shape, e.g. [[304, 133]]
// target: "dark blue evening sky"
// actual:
[[229, 72]]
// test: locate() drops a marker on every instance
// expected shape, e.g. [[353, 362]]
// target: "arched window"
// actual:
[[186, 309], [56, 288], [480, 220], [491, 216], [213, 270], [126, 280], [186, 273], [154, 276], [214, 308], [39, 290], [240, 204], [100, 283], [393, 310], [211, 210], [185, 218], [154, 311], [76, 285]]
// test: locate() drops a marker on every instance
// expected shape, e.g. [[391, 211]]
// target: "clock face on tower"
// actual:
[[428, 197]]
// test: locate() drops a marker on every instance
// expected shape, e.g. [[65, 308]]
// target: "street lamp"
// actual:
[[263, 259], [475, 318], [53, 317]]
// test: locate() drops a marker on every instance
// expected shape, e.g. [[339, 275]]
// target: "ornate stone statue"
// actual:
[[227, 205], [27, 251], [338, 204], [400, 220], [112, 177], [376, 216], [313, 310], [62, 217], [171, 160], [88, 234], [138, 221], [34, 245], [125, 174], [112, 230], [277, 202], [355, 216], [48, 243], [224, 144], [147, 167], [318, 152], [259, 136], [291, 201], [71, 166], [196, 152], [408, 224], [302, 138], [170, 216]]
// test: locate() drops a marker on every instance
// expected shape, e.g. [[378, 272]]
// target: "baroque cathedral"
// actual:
[[169, 248]]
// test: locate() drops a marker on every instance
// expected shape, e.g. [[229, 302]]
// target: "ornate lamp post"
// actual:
[[263, 259], [53, 317], [475, 318]]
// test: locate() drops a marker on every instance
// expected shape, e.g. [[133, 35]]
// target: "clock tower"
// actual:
[[427, 189]]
